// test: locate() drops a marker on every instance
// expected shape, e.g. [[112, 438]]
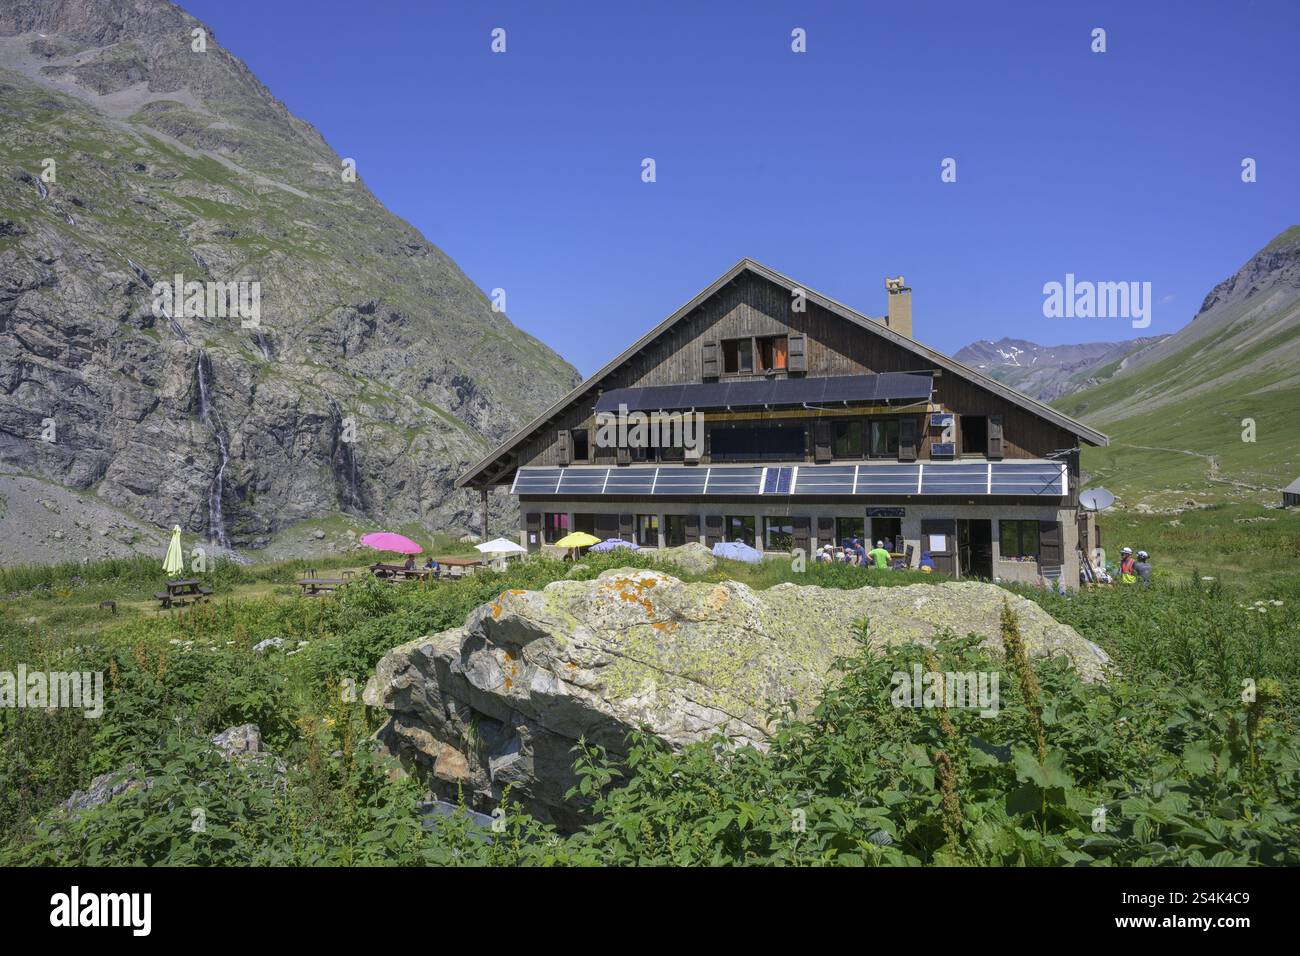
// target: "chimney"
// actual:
[[900, 306]]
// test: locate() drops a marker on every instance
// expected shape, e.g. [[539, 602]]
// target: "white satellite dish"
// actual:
[[1096, 499]]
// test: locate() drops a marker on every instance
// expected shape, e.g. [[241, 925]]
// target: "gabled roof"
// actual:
[[1293, 488], [1034, 407]]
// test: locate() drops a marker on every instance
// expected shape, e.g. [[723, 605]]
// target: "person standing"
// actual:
[[1127, 571], [879, 556]]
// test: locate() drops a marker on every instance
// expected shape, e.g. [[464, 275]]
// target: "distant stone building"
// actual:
[[1291, 494]]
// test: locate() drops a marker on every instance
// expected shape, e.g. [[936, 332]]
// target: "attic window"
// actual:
[[766, 353]]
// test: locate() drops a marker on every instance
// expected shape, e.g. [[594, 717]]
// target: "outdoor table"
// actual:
[[181, 592], [313, 586]]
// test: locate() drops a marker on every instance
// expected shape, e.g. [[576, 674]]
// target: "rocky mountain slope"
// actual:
[[375, 371], [1046, 372], [1210, 411]]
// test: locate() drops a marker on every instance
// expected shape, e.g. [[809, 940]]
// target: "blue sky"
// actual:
[[525, 167]]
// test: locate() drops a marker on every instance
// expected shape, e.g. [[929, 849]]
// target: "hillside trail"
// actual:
[[1212, 465]]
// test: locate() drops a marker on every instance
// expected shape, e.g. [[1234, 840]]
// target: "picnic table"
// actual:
[[181, 592], [460, 565], [394, 571], [312, 586]]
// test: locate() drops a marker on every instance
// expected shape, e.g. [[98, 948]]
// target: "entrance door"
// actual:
[[939, 538], [975, 548]]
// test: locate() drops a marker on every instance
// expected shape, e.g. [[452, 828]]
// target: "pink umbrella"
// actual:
[[390, 541]]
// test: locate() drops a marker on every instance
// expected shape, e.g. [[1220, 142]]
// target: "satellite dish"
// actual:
[[1096, 499]]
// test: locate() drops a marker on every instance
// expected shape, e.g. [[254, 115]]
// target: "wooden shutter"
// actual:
[[709, 368], [1049, 544], [625, 527], [802, 532], [798, 359], [995, 436], [712, 529], [564, 447], [825, 530], [692, 528], [821, 439], [624, 455], [533, 527], [907, 439]]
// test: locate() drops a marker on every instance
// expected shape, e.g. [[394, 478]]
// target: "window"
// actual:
[[555, 525], [772, 352], [757, 443], [1019, 540], [780, 534], [847, 529], [768, 353], [581, 448], [674, 530], [647, 531], [738, 356], [847, 439], [740, 528], [884, 438], [974, 435], [584, 522]]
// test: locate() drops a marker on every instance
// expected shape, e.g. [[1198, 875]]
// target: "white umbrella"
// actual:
[[501, 546]]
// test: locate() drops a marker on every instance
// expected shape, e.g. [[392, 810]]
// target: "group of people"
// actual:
[[1134, 569], [853, 551]]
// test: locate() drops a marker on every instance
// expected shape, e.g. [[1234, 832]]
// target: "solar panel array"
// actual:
[[887, 386], [965, 478]]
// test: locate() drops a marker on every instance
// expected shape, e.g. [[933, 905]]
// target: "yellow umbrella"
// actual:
[[578, 539], [174, 563]]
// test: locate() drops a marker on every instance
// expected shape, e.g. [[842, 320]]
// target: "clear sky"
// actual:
[[526, 166]]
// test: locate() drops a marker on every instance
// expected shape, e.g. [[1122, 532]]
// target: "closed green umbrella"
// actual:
[[174, 563]]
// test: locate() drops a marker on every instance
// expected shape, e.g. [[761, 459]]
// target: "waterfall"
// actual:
[[208, 415]]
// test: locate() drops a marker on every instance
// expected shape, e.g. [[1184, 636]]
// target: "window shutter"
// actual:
[[564, 447], [995, 436], [710, 366], [606, 526], [825, 530], [1049, 544], [802, 529], [692, 528], [624, 455], [533, 527], [798, 360], [821, 439], [712, 528], [625, 527], [907, 439]]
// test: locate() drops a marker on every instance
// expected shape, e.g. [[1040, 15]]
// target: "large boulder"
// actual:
[[693, 558], [502, 700]]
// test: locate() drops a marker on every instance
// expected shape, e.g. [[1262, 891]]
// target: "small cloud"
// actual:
[[1169, 298]]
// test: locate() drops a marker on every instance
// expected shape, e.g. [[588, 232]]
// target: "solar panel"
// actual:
[[887, 479], [1028, 478], [583, 481], [681, 480], [966, 478], [825, 480], [734, 481], [630, 481], [536, 481], [899, 385], [777, 481], [849, 388]]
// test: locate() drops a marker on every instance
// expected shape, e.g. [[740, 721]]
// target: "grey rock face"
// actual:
[[503, 699], [377, 371]]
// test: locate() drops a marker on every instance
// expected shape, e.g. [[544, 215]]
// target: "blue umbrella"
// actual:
[[737, 551], [609, 544]]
